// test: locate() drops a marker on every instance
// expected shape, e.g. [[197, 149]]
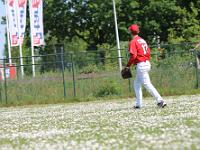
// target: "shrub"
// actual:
[[89, 69], [107, 89]]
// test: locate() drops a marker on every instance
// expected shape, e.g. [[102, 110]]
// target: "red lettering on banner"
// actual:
[[36, 40], [14, 40], [11, 2], [35, 3], [21, 3]]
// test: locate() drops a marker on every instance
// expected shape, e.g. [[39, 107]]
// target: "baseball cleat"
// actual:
[[162, 104], [136, 107]]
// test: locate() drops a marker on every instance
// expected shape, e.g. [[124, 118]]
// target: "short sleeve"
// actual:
[[132, 47]]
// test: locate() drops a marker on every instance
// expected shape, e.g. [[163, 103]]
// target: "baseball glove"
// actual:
[[126, 73]]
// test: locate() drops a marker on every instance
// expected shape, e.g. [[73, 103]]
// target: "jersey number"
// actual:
[[145, 48]]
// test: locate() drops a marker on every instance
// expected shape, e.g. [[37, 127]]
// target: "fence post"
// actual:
[[0, 92], [73, 74], [196, 69], [129, 80], [63, 76], [5, 80]]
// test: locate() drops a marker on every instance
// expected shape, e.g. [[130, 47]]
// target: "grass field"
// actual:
[[103, 125]]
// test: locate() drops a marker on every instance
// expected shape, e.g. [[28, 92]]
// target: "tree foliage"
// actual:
[[86, 24], [93, 21]]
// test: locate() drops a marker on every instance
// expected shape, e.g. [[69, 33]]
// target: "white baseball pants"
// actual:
[[142, 78]]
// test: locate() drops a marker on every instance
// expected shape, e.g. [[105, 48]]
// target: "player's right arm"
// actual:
[[133, 53]]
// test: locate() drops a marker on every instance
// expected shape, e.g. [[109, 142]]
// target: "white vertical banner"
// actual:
[[21, 16], [36, 20], [12, 19], [8, 34]]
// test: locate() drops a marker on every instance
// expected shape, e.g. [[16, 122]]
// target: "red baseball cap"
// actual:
[[134, 28]]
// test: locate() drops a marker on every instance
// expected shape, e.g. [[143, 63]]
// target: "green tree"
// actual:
[[84, 24]]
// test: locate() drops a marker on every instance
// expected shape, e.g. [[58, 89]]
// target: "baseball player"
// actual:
[[140, 56]]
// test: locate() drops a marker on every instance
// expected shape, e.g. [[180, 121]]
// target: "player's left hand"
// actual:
[[126, 73]]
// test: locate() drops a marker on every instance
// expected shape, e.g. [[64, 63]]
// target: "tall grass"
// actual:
[[172, 76]]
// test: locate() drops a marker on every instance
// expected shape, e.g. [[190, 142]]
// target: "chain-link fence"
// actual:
[[94, 74]]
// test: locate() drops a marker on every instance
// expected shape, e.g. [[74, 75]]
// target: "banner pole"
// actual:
[[117, 37], [32, 46], [8, 35], [20, 40], [21, 59], [33, 59]]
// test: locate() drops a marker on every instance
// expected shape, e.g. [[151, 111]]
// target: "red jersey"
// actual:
[[139, 50]]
